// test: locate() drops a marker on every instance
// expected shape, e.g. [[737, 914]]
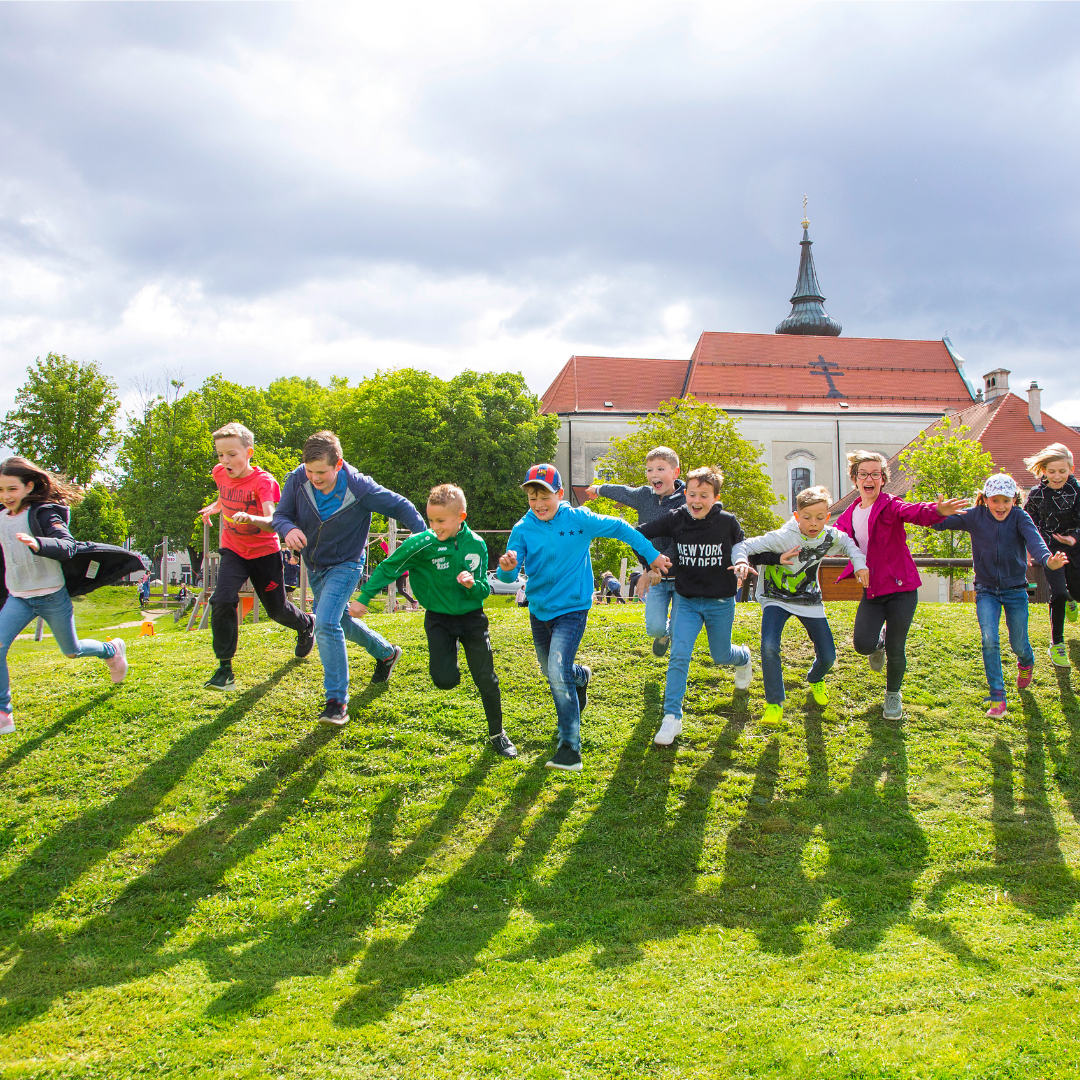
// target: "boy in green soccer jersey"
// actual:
[[447, 565]]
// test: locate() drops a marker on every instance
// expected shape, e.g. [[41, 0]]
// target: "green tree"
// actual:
[[64, 417], [945, 463], [99, 517]]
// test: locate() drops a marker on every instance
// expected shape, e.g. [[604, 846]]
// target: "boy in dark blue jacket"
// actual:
[[325, 512], [551, 543]]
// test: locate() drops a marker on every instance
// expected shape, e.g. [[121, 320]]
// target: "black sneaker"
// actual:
[[660, 645], [565, 758], [501, 744], [334, 714], [305, 641], [583, 691], [384, 667], [222, 679]]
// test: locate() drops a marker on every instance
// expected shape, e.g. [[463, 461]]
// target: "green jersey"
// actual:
[[433, 567]]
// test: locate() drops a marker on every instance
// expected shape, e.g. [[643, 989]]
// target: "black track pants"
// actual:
[[1063, 584], [894, 611], [471, 629]]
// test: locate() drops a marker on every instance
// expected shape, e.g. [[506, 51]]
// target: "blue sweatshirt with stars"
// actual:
[[555, 556]]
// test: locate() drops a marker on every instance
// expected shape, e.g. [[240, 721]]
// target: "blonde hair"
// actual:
[[664, 453], [811, 495], [445, 494], [982, 500], [1056, 451], [235, 430], [856, 457], [707, 474], [322, 446]]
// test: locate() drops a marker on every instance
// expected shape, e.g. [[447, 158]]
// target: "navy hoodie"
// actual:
[[999, 548]]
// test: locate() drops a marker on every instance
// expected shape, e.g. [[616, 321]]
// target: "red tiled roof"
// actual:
[[586, 383], [780, 371]]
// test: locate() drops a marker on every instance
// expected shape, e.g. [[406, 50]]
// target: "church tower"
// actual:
[[807, 314]]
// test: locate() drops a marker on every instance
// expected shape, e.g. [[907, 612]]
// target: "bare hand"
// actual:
[[1070, 540], [508, 561], [356, 609], [742, 569], [207, 512], [791, 556], [241, 517], [1031, 561], [947, 507], [295, 540], [646, 582], [863, 577], [466, 579], [591, 493], [28, 540], [1057, 561], [661, 563]]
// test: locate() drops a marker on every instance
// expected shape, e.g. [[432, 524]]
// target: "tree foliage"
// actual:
[[99, 517], [64, 417]]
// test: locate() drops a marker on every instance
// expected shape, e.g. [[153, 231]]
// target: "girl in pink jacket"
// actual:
[[876, 523]]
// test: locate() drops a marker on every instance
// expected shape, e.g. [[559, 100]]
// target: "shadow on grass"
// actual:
[[26, 748]]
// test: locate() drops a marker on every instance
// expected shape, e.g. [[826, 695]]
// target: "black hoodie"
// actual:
[[702, 551]]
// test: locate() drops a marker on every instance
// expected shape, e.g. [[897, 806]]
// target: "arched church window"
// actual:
[[801, 478]]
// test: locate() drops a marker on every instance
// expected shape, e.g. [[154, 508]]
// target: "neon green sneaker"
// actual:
[[1059, 655], [773, 716], [821, 694], [1070, 610]]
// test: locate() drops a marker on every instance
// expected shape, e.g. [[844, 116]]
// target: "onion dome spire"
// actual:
[[807, 314]]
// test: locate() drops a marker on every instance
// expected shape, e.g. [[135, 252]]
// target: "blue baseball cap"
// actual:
[[545, 475]]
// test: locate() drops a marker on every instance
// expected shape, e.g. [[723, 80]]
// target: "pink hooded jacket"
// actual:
[[891, 566]]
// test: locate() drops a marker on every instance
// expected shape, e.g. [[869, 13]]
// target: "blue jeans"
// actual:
[[556, 642], [55, 608], [333, 587], [657, 600], [773, 619], [988, 606], [717, 616]]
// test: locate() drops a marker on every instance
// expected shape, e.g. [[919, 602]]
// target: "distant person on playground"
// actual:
[[551, 544], [250, 550], [663, 492], [447, 564], [1054, 506], [40, 561], [610, 589], [1002, 536], [791, 587], [325, 513]]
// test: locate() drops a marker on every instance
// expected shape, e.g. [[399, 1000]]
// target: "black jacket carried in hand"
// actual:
[[86, 566], [702, 552]]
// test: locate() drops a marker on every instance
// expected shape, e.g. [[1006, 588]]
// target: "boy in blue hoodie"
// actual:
[[551, 543], [325, 512]]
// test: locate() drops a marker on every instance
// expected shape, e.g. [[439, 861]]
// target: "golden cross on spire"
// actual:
[[805, 219]]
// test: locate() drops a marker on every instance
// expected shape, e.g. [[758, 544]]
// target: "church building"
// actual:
[[804, 394]]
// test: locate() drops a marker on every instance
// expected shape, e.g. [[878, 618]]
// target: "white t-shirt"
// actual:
[[25, 573], [860, 522]]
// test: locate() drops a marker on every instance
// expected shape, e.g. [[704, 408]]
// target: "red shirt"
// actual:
[[247, 494]]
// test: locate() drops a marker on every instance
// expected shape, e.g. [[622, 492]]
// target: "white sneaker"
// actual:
[[670, 726], [743, 675], [7, 723], [117, 663]]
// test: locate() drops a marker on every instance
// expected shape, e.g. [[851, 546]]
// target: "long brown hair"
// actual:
[[48, 487]]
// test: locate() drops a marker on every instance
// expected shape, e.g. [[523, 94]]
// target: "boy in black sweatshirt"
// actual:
[[704, 534]]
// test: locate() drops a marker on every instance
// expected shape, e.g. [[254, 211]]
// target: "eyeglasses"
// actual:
[[869, 475]]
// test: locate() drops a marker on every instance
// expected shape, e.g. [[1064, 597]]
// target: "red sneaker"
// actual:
[[1024, 676], [997, 710]]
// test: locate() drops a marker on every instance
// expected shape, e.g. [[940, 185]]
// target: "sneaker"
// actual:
[[583, 691], [876, 659], [743, 675], [997, 710], [501, 744], [894, 705], [1070, 610], [1024, 675], [1059, 655], [117, 663], [305, 641], [384, 667], [670, 726], [820, 692], [7, 723], [660, 645], [334, 714], [222, 679], [565, 758], [773, 716]]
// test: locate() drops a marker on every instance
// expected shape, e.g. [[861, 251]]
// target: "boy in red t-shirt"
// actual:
[[250, 549]]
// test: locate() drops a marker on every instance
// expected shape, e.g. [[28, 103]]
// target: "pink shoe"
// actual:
[[7, 723], [117, 663], [997, 710], [1024, 676]]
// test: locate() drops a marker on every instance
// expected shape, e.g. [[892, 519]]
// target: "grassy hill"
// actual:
[[193, 885]]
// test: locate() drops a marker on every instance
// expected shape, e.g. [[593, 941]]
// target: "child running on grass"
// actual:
[[1054, 506], [791, 588], [663, 492], [704, 534], [42, 566], [551, 543], [1002, 535], [250, 550], [325, 513], [447, 564]]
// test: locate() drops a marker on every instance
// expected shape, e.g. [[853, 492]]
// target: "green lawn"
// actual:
[[193, 885]]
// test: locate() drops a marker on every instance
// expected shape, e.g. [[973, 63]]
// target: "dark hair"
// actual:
[[48, 487], [323, 446]]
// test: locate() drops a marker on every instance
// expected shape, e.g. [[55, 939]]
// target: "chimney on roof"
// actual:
[[995, 383], [1035, 406]]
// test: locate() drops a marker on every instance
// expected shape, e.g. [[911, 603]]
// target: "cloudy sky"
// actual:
[[263, 189]]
